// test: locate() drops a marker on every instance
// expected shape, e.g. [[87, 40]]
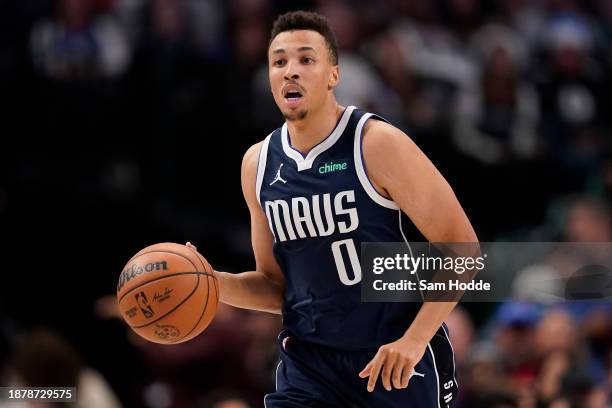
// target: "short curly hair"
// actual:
[[307, 20]]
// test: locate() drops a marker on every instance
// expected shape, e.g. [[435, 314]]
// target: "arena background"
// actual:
[[124, 123]]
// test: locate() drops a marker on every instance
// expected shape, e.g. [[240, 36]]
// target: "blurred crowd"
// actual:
[[130, 118]]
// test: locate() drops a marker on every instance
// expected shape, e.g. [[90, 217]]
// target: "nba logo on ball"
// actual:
[[144, 305]]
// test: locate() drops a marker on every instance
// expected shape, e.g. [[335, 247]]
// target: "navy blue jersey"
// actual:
[[320, 208]]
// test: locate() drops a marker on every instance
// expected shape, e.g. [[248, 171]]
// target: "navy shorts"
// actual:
[[311, 375]]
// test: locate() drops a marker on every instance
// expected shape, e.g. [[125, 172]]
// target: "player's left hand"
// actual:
[[397, 361]]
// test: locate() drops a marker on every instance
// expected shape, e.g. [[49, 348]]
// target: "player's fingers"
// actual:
[[375, 371], [191, 246], [406, 373], [390, 363], [396, 376], [366, 370]]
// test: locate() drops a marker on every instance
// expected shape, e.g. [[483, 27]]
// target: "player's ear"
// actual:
[[334, 77]]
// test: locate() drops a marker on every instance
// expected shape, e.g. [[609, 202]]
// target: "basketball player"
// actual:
[[329, 179]]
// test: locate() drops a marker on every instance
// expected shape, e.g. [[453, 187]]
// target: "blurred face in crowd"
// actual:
[[75, 13], [587, 223], [167, 17], [302, 75], [555, 332]]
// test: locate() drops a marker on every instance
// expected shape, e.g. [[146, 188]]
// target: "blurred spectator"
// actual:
[[588, 221], [79, 44], [540, 283], [223, 398], [7, 338], [581, 391], [525, 16], [208, 27], [464, 17], [461, 333], [566, 369], [129, 14], [514, 336], [44, 359], [359, 83], [426, 65], [572, 92], [496, 121], [483, 381], [599, 183], [535, 359], [580, 219], [603, 8]]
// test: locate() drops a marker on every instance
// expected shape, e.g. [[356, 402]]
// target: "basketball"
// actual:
[[167, 293]]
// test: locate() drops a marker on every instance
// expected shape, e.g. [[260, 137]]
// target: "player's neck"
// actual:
[[310, 131]]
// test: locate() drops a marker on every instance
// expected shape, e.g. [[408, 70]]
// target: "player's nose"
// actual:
[[291, 71]]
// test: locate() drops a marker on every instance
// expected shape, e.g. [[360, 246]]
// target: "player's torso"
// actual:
[[320, 209]]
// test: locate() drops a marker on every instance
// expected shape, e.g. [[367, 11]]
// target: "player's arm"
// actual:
[[263, 288], [399, 170]]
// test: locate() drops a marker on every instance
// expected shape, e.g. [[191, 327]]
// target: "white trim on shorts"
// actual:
[[433, 357], [275, 381], [453, 351]]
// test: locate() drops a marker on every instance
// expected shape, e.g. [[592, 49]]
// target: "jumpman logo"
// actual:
[[278, 176]]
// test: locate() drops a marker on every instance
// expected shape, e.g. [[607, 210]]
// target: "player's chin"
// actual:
[[294, 114]]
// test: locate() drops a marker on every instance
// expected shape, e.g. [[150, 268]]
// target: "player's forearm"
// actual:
[[428, 320], [250, 290], [433, 313]]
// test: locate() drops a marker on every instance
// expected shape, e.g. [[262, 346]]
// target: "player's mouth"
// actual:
[[292, 95]]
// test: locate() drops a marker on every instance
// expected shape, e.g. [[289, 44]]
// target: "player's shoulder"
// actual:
[[251, 155], [249, 169], [380, 136]]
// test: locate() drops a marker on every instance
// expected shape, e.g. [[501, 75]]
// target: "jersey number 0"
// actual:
[[336, 248]]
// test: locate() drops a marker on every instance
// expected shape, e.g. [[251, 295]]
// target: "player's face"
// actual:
[[301, 72]]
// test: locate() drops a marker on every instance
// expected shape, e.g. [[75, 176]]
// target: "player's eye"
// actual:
[[307, 60], [279, 62]]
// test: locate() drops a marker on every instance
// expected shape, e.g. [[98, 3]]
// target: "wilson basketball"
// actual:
[[167, 293]]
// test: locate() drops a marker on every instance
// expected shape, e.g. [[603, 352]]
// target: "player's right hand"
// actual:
[[195, 249], [395, 363]]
